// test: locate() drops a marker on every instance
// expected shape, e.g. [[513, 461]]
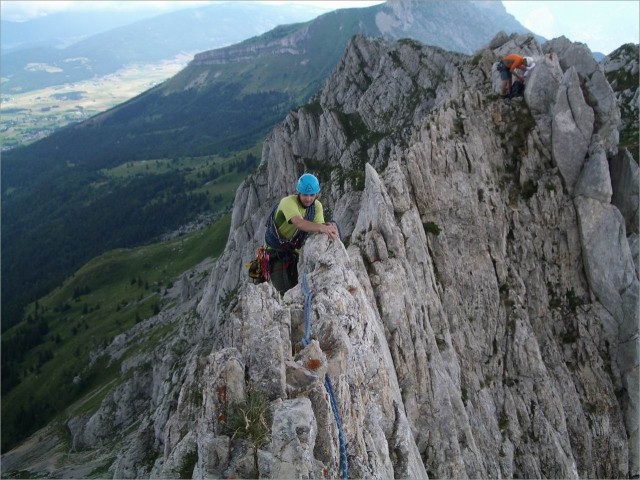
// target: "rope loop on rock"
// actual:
[[327, 380]]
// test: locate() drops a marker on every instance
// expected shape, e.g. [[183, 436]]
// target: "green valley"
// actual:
[[30, 116], [46, 358]]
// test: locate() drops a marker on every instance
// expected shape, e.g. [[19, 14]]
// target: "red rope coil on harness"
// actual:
[[259, 267]]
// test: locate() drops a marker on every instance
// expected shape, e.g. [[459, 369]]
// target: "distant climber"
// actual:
[[288, 225], [517, 87], [511, 65]]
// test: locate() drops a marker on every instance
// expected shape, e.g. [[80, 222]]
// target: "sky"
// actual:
[[602, 25]]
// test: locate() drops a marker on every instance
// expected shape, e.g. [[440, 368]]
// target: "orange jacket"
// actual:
[[513, 61]]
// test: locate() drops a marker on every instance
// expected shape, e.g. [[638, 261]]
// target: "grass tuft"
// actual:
[[248, 420]]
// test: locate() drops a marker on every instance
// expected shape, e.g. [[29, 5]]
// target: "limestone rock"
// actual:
[[572, 54], [543, 84], [293, 439], [594, 181], [599, 93], [572, 126]]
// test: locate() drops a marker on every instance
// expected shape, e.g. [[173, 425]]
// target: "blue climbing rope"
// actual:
[[327, 380], [307, 311], [336, 414]]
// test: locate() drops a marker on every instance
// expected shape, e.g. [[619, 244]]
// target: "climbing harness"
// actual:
[[277, 248], [308, 296]]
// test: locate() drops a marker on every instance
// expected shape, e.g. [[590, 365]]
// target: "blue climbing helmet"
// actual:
[[308, 184]]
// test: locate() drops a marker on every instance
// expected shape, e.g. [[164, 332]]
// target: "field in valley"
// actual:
[[29, 116]]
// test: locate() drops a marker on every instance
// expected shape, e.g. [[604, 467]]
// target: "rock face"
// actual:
[[479, 320], [621, 69]]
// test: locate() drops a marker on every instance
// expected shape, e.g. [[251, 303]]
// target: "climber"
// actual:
[[288, 225], [517, 87], [508, 66]]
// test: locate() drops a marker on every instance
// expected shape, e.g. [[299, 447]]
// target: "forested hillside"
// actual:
[[116, 206], [44, 357]]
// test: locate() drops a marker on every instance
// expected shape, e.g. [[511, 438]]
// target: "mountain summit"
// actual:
[[479, 320]]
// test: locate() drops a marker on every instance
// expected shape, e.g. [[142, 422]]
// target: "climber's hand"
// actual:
[[331, 230]]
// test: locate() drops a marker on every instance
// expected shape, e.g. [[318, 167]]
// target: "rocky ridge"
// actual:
[[479, 320]]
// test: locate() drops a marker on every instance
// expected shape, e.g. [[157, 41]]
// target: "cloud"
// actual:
[[541, 21]]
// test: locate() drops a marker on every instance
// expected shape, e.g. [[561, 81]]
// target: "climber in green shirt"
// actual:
[[289, 224]]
